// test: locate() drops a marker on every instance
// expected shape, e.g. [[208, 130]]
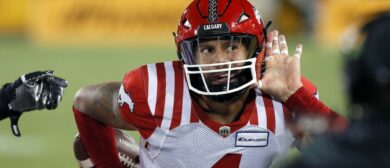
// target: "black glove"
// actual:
[[5, 95], [32, 91]]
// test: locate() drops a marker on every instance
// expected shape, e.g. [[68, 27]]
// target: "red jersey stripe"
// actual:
[[145, 77], [254, 118], [161, 91], [178, 99], [194, 117]]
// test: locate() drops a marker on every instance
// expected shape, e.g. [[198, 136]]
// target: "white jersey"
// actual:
[[176, 132]]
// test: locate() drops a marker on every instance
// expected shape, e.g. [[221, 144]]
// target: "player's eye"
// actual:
[[206, 50], [231, 48]]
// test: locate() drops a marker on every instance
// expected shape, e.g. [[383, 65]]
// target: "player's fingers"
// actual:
[[57, 81], [275, 43], [268, 45], [298, 51], [283, 45]]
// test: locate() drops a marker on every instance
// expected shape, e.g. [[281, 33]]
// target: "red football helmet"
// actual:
[[211, 28]]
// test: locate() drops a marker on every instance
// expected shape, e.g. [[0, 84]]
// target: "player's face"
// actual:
[[220, 51], [219, 64]]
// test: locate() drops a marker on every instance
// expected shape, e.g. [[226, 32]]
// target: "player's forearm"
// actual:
[[100, 103], [303, 102], [94, 108]]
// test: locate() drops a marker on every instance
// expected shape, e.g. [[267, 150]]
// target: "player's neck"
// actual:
[[223, 112]]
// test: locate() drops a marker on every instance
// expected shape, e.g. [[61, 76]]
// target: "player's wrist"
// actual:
[[291, 91], [4, 100], [3, 112]]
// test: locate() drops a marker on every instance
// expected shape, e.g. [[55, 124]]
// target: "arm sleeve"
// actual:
[[304, 102], [99, 140]]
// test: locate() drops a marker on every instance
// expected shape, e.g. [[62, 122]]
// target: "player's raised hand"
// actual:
[[32, 91], [282, 76]]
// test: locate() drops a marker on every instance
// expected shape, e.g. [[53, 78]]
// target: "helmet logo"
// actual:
[[213, 29], [212, 26]]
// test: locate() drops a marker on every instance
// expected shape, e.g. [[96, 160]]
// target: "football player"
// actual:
[[32, 91], [205, 110]]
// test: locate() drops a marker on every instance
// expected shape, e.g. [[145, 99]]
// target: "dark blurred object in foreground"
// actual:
[[366, 143]]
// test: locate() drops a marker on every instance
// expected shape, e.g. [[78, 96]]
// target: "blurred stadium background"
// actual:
[[91, 41]]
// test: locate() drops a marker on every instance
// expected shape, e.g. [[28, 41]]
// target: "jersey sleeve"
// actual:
[[305, 102], [133, 102], [310, 87]]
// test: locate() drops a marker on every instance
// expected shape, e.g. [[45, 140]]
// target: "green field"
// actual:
[[47, 136]]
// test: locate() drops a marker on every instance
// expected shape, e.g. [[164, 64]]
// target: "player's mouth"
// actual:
[[222, 78]]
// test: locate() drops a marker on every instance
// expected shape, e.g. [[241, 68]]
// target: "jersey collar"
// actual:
[[233, 126]]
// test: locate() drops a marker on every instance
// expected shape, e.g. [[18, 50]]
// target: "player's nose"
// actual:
[[221, 56]]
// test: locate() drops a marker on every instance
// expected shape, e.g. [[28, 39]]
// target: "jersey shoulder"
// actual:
[[134, 80], [139, 78], [133, 103], [142, 94]]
